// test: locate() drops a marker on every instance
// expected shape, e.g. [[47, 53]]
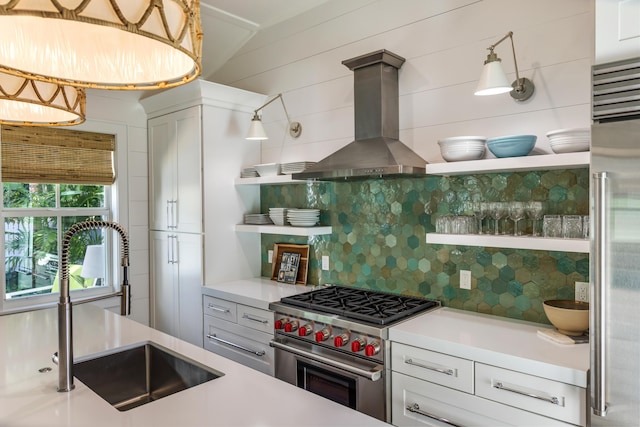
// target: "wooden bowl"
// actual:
[[568, 316]]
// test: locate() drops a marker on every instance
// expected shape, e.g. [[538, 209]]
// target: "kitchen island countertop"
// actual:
[[242, 396]]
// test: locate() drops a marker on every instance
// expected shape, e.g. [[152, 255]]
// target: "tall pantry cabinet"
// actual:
[[196, 149]]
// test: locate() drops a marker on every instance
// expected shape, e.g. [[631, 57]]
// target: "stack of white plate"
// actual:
[[569, 140], [257, 219], [303, 217], [249, 172], [278, 215], [294, 167]]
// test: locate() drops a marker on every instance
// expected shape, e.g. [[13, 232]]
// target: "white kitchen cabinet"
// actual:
[[175, 171], [617, 32], [417, 402], [176, 275], [196, 147], [474, 369], [238, 323], [239, 332]]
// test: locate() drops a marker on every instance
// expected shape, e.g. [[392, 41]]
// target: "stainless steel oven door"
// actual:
[[348, 380]]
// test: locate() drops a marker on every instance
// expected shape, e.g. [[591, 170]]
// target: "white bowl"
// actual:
[[268, 169], [460, 148], [569, 147]]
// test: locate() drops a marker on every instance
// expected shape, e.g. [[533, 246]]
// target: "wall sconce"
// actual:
[[256, 130], [494, 81]]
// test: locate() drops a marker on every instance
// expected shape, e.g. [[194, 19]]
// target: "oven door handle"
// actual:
[[373, 374]]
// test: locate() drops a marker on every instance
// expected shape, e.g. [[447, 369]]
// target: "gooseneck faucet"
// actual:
[[65, 335]]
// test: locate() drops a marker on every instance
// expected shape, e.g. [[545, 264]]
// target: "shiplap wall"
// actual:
[[445, 43]]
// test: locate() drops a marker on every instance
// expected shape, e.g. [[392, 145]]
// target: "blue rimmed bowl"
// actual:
[[512, 145]]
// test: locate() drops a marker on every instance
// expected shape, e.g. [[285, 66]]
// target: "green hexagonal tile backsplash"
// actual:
[[379, 228]]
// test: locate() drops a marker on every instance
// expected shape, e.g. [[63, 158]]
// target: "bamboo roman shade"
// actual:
[[57, 156]]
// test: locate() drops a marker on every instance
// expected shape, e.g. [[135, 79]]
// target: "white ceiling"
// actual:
[[229, 24]]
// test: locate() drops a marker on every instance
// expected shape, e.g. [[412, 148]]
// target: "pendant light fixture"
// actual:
[[494, 81], [30, 102], [102, 44], [256, 130]]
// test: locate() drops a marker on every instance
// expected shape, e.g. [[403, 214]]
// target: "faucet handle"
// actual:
[[54, 357]]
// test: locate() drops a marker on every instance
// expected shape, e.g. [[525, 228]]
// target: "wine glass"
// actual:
[[535, 211], [497, 211], [516, 213], [480, 213]]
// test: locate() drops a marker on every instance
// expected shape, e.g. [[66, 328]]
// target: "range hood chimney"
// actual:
[[377, 150]]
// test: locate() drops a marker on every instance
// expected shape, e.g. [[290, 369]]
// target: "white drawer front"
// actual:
[[220, 308], [438, 368], [255, 318], [243, 345], [540, 395], [416, 402]]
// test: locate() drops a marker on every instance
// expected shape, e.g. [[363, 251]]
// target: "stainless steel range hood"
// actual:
[[377, 150]]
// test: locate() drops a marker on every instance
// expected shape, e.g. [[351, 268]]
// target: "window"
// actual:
[[36, 213]]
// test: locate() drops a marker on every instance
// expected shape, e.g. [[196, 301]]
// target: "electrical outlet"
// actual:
[[465, 279], [325, 262], [582, 291], [270, 256]]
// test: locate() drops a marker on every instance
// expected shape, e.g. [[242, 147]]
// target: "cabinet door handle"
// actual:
[[217, 308], [254, 319], [446, 371], [415, 408], [259, 353], [168, 214], [554, 400], [174, 214], [175, 253]]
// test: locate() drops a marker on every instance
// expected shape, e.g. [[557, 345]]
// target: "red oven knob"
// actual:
[[291, 326], [372, 349], [305, 330], [358, 344], [278, 324], [322, 335], [340, 340]]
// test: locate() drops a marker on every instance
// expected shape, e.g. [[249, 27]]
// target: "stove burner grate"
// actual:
[[360, 304]]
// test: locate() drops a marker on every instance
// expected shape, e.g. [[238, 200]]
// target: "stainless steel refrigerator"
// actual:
[[615, 245]]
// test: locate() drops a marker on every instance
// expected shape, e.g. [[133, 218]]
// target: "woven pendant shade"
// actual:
[[102, 44], [56, 156], [35, 103]]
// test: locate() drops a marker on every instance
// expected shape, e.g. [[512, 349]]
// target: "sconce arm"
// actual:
[[295, 128]]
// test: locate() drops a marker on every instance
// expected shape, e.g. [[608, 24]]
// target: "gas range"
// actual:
[[348, 319], [332, 341]]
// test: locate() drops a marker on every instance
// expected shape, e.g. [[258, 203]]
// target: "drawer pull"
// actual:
[[554, 400], [248, 317], [259, 353], [450, 372], [415, 408], [220, 309]]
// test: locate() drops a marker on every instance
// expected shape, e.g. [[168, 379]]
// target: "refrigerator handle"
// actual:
[[597, 326]]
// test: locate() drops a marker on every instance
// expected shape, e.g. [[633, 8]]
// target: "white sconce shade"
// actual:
[[102, 44], [37, 103], [93, 264], [493, 80], [256, 130]]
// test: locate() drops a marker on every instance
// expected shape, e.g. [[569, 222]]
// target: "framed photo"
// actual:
[[289, 265]]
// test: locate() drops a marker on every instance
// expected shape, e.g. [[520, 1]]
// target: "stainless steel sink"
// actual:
[[131, 377]]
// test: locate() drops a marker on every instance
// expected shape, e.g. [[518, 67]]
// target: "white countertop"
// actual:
[[257, 292], [509, 344], [242, 396]]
